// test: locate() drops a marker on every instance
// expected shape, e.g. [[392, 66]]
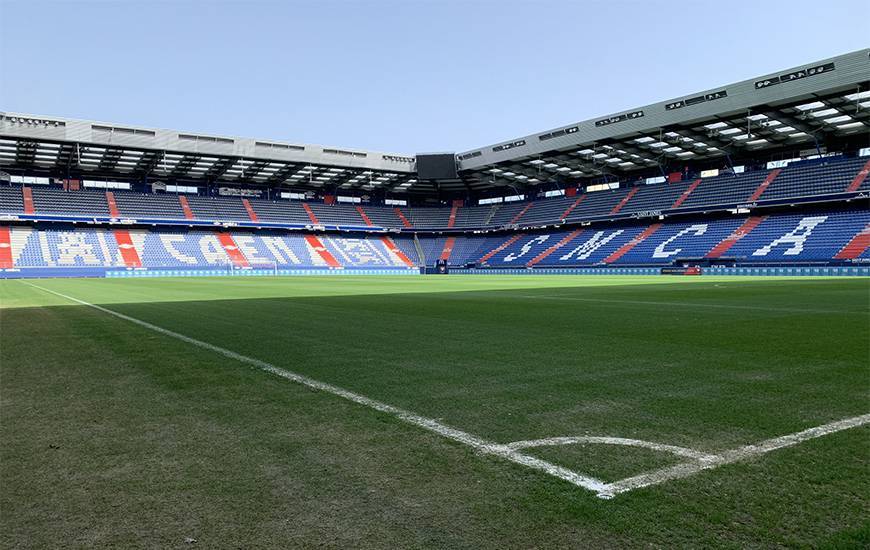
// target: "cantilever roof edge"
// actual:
[[107, 134], [840, 72]]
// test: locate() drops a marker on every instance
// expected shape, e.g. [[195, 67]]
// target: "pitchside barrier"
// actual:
[[788, 271], [271, 271], [216, 271]]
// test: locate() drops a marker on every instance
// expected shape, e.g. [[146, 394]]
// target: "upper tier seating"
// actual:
[[11, 200], [51, 200], [798, 180], [280, 211], [138, 205]]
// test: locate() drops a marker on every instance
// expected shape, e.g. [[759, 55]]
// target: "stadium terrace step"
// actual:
[[317, 246], [311, 215], [859, 178], [185, 207], [562, 242], [571, 208], [402, 217], [125, 246], [233, 252], [251, 213], [624, 249], [27, 195], [729, 241], [625, 200], [853, 248], [686, 194], [113, 206], [451, 221], [5, 248], [364, 216], [517, 218], [448, 248], [391, 246], [764, 185], [502, 246]]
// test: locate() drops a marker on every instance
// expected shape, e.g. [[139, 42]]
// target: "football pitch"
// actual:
[[458, 411]]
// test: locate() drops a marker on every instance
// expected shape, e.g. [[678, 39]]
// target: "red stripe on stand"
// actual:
[[516, 218], [318, 247], [853, 248], [128, 251], [311, 215], [364, 216], [402, 217], [251, 214], [452, 220], [501, 247], [761, 188], [859, 178], [391, 246], [5, 248], [232, 249], [448, 248], [185, 207], [562, 242], [572, 207], [624, 200], [731, 240], [682, 198], [113, 206], [624, 249], [27, 195]]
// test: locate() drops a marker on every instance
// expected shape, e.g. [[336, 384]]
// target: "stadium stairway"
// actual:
[[250, 209], [562, 242], [855, 247], [624, 249], [625, 200], [402, 217], [311, 215], [185, 207], [685, 194], [126, 248], [6, 261], [113, 206], [448, 249], [27, 195], [855, 184], [729, 241], [364, 216], [764, 185], [317, 246]]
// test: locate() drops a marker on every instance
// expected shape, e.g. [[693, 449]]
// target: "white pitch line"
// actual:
[[432, 425], [509, 451], [729, 457], [690, 304], [573, 440]]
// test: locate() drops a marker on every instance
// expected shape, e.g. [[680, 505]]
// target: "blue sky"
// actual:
[[404, 76]]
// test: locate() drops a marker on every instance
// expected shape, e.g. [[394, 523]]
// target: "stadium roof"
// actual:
[[121, 151], [801, 107]]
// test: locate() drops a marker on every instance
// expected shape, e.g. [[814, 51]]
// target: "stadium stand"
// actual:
[[806, 238]]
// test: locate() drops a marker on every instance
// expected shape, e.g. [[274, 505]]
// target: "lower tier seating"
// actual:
[[810, 237]]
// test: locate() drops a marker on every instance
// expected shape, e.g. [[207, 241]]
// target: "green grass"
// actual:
[[113, 435]]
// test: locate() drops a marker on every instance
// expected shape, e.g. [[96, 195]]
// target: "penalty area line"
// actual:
[[477, 443]]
